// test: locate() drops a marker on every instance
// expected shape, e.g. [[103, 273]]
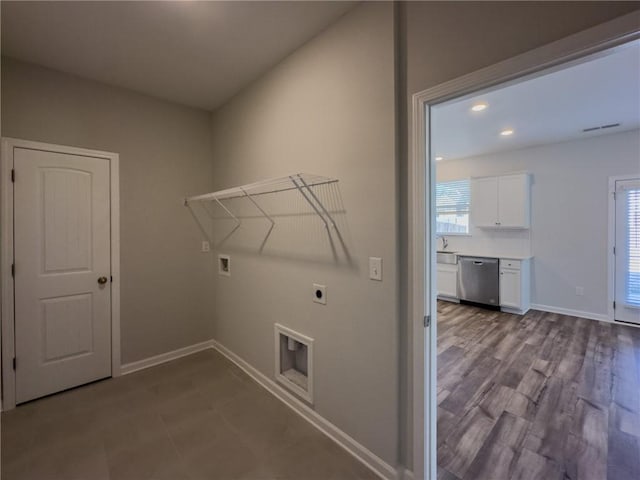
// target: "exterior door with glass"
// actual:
[[627, 251]]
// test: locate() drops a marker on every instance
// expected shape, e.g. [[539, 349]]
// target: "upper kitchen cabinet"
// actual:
[[501, 202]]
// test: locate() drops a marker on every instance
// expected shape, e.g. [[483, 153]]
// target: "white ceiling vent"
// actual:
[[601, 127]]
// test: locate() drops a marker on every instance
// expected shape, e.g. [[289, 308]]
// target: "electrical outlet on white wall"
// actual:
[[320, 294], [580, 291], [205, 246]]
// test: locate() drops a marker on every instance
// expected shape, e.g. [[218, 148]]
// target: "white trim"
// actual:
[[6, 255], [602, 317], [165, 357], [116, 357], [611, 243], [359, 451], [557, 54], [6, 259]]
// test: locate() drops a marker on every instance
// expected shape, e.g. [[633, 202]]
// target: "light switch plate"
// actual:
[[224, 265], [205, 246], [375, 268]]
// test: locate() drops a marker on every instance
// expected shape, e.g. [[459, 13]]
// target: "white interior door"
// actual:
[[627, 249], [62, 271]]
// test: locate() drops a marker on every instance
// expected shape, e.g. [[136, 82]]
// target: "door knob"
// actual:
[[102, 280]]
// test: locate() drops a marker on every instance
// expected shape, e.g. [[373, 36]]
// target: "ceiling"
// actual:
[[551, 108], [194, 53]]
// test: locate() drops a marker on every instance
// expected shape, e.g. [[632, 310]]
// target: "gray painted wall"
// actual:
[[327, 109], [165, 154]]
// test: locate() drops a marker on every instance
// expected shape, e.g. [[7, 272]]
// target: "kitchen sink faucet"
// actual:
[[445, 243]]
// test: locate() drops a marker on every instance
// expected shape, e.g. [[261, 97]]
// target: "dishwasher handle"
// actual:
[[478, 262]]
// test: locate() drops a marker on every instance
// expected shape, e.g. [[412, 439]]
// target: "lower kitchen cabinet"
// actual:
[[514, 285], [447, 281]]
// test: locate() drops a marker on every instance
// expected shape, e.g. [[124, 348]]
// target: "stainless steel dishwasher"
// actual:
[[479, 280]]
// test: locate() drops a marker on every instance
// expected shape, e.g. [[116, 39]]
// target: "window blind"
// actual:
[[453, 197], [452, 206], [632, 292]]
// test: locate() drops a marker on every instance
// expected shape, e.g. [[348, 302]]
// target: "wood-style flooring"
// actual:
[[536, 397]]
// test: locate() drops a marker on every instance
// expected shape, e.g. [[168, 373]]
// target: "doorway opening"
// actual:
[[521, 212], [506, 225]]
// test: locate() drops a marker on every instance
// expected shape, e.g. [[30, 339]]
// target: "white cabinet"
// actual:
[[484, 202], [447, 280], [514, 285], [501, 202], [513, 201], [510, 282]]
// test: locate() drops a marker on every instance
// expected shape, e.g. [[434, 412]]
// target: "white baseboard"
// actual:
[[360, 452], [164, 357], [574, 313]]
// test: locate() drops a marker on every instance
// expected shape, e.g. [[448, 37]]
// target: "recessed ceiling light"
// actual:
[[478, 107], [439, 158], [506, 132]]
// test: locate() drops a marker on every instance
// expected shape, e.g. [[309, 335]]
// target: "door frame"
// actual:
[[611, 263], [421, 258], [7, 288]]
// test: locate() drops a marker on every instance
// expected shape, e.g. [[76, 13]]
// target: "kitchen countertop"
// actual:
[[484, 254]]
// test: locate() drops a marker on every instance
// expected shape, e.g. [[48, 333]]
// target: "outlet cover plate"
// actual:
[[320, 294]]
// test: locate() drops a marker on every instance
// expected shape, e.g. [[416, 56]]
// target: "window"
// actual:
[[452, 207]]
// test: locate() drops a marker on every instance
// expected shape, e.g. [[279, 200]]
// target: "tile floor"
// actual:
[[199, 417]]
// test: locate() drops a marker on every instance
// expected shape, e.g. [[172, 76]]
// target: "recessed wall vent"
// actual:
[[294, 361], [601, 127]]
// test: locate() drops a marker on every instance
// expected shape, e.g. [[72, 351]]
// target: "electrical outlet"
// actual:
[[580, 291], [375, 268], [205, 246], [320, 294]]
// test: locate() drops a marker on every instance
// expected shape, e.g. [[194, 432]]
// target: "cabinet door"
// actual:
[[484, 202], [447, 282], [510, 288], [513, 201]]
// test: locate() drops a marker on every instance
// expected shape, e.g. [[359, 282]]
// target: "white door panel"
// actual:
[[62, 248]]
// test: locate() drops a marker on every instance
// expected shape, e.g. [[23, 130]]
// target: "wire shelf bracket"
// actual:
[[302, 182]]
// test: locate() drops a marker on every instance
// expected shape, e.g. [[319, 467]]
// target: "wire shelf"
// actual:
[[302, 182]]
